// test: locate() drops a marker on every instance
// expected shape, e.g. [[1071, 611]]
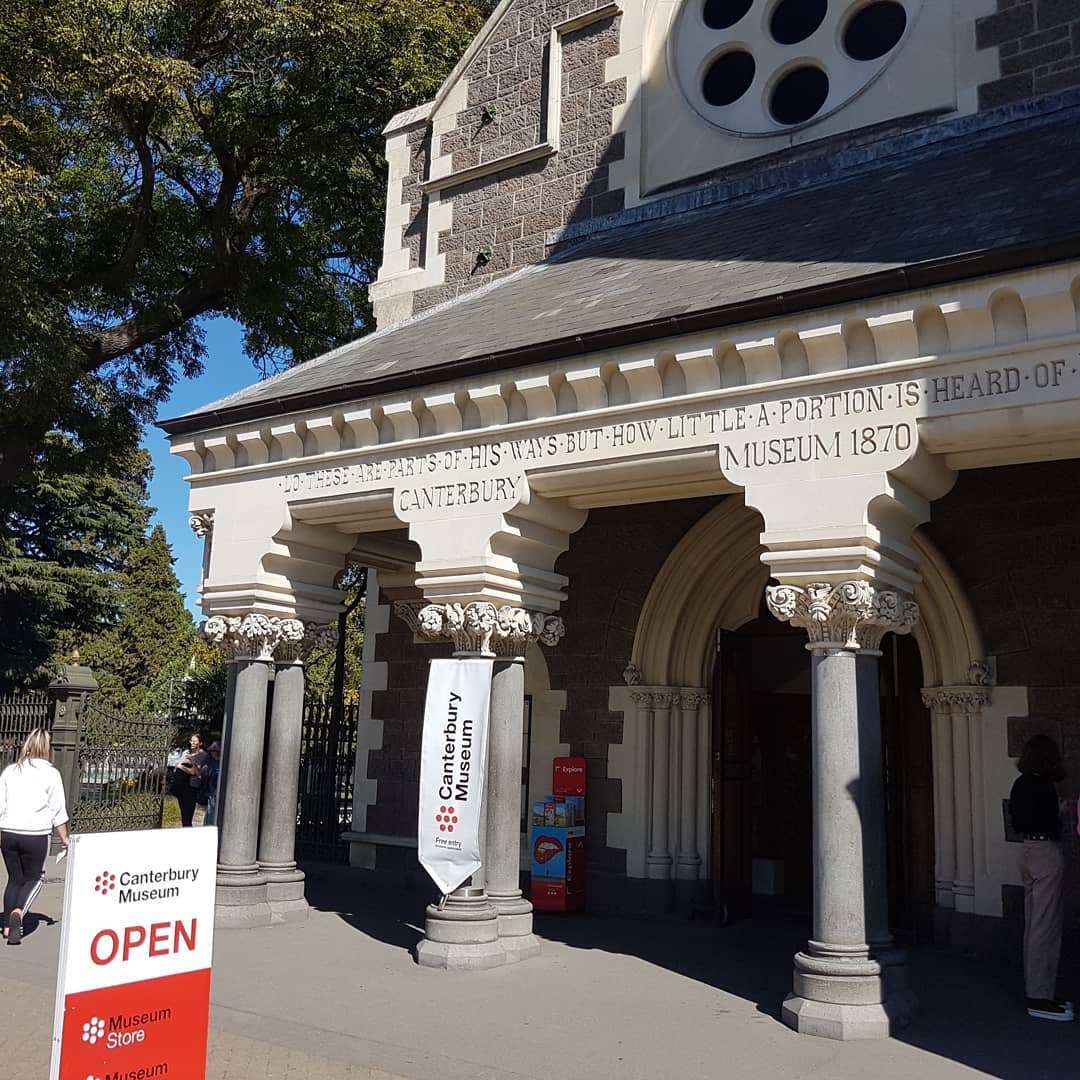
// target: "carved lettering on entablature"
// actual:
[[963, 329]]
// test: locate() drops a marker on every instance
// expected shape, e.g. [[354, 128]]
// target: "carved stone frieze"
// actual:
[[851, 615], [202, 522], [483, 628], [266, 637], [668, 697], [965, 699]]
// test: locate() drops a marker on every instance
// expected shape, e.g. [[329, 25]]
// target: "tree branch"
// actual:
[[209, 292]]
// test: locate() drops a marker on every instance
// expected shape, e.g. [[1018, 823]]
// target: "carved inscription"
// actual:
[[822, 431]]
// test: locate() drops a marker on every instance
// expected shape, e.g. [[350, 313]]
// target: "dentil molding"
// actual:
[[851, 615], [266, 637]]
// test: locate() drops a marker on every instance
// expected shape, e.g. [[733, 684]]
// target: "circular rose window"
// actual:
[[760, 67]]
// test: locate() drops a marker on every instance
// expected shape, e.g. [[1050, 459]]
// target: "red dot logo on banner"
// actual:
[[93, 1030], [104, 882], [446, 818]]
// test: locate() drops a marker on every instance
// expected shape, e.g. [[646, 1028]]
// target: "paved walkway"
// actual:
[[340, 997]]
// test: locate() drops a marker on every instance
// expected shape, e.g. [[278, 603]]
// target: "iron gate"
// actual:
[[19, 715], [122, 771], [327, 761]]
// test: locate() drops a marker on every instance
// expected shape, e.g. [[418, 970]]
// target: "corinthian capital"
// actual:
[[202, 522], [483, 628], [265, 637], [852, 615]]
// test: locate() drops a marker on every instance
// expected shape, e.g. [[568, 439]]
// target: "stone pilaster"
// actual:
[[955, 715], [850, 981], [484, 926]]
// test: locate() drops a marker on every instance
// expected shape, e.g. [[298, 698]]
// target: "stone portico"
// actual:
[[670, 404]]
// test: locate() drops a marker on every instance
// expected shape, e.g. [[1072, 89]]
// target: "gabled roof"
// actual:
[[996, 199]]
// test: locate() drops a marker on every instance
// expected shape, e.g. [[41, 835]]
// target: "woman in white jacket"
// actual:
[[31, 806]]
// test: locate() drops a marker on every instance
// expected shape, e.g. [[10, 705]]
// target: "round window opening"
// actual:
[[875, 30], [799, 95], [795, 20], [728, 77], [762, 67], [720, 14]]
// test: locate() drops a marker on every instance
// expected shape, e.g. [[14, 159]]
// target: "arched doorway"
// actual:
[[761, 777], [714, 581]]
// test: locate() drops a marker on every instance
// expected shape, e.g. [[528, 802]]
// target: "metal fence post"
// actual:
[[69, 691]]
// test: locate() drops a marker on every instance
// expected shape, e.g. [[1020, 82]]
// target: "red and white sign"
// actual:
[[133, 994]]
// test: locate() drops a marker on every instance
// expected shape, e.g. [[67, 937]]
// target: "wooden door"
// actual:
[[732, 763], [909, 791]]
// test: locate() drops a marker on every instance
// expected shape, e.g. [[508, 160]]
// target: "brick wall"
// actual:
[[1038, 43], [1011, 536], [508, 211]]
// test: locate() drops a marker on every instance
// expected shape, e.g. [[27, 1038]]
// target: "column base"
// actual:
[[285, 894], [464, 936], [850, 994], [833, 1020], [241, 898], [515, 920]]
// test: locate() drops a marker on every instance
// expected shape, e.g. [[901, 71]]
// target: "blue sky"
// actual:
[[226, 369]]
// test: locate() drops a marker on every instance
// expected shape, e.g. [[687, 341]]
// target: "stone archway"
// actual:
[[714, 579]]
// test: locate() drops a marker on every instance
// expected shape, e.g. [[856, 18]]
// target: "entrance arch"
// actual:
[[714, 580]]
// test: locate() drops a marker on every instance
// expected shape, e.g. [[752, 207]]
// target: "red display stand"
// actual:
[[558, 840]]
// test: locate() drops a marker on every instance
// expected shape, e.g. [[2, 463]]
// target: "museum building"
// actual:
[[726, 390]]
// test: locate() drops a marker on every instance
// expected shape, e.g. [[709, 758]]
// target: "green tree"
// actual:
[[161, 160], [64, 546], [154, 636]]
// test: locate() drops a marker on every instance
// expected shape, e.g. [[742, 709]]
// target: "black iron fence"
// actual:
[[327, 760], [122, 770], [19, 715]]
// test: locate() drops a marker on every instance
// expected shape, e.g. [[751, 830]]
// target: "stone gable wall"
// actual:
[[504, 215], [1038, 43]]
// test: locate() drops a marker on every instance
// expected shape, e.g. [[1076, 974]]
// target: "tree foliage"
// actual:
[[64, 547], [151, 644], [165, 159]]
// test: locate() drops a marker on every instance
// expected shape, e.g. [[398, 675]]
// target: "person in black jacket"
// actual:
[[1034, 809]]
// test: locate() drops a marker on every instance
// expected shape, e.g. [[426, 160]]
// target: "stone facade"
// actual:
[[1038, 46], [499, 220], [1011, 535]]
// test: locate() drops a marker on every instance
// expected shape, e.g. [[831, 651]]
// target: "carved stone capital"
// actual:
[[851, 615], [485, 629], [202, 522], [265, 637], [963, 699], [693, 699], [408, 611]]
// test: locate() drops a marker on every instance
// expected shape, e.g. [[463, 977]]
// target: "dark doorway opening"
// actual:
[[761, 777]]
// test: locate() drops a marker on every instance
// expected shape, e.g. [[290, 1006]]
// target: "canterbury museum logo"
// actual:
[[452, 767]]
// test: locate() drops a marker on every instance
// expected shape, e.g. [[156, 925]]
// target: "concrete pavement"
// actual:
[[341, 997]]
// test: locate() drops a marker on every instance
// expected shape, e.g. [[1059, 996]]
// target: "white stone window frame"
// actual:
[[694, 46], [935, 72]]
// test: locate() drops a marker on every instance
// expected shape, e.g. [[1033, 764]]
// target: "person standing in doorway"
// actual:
[[31, 806], [188, 778], [1036, 814]]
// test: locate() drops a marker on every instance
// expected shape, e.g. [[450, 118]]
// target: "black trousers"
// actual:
[[186, 797], [24, 858]]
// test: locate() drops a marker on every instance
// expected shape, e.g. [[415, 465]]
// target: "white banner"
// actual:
[[453, 759]]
